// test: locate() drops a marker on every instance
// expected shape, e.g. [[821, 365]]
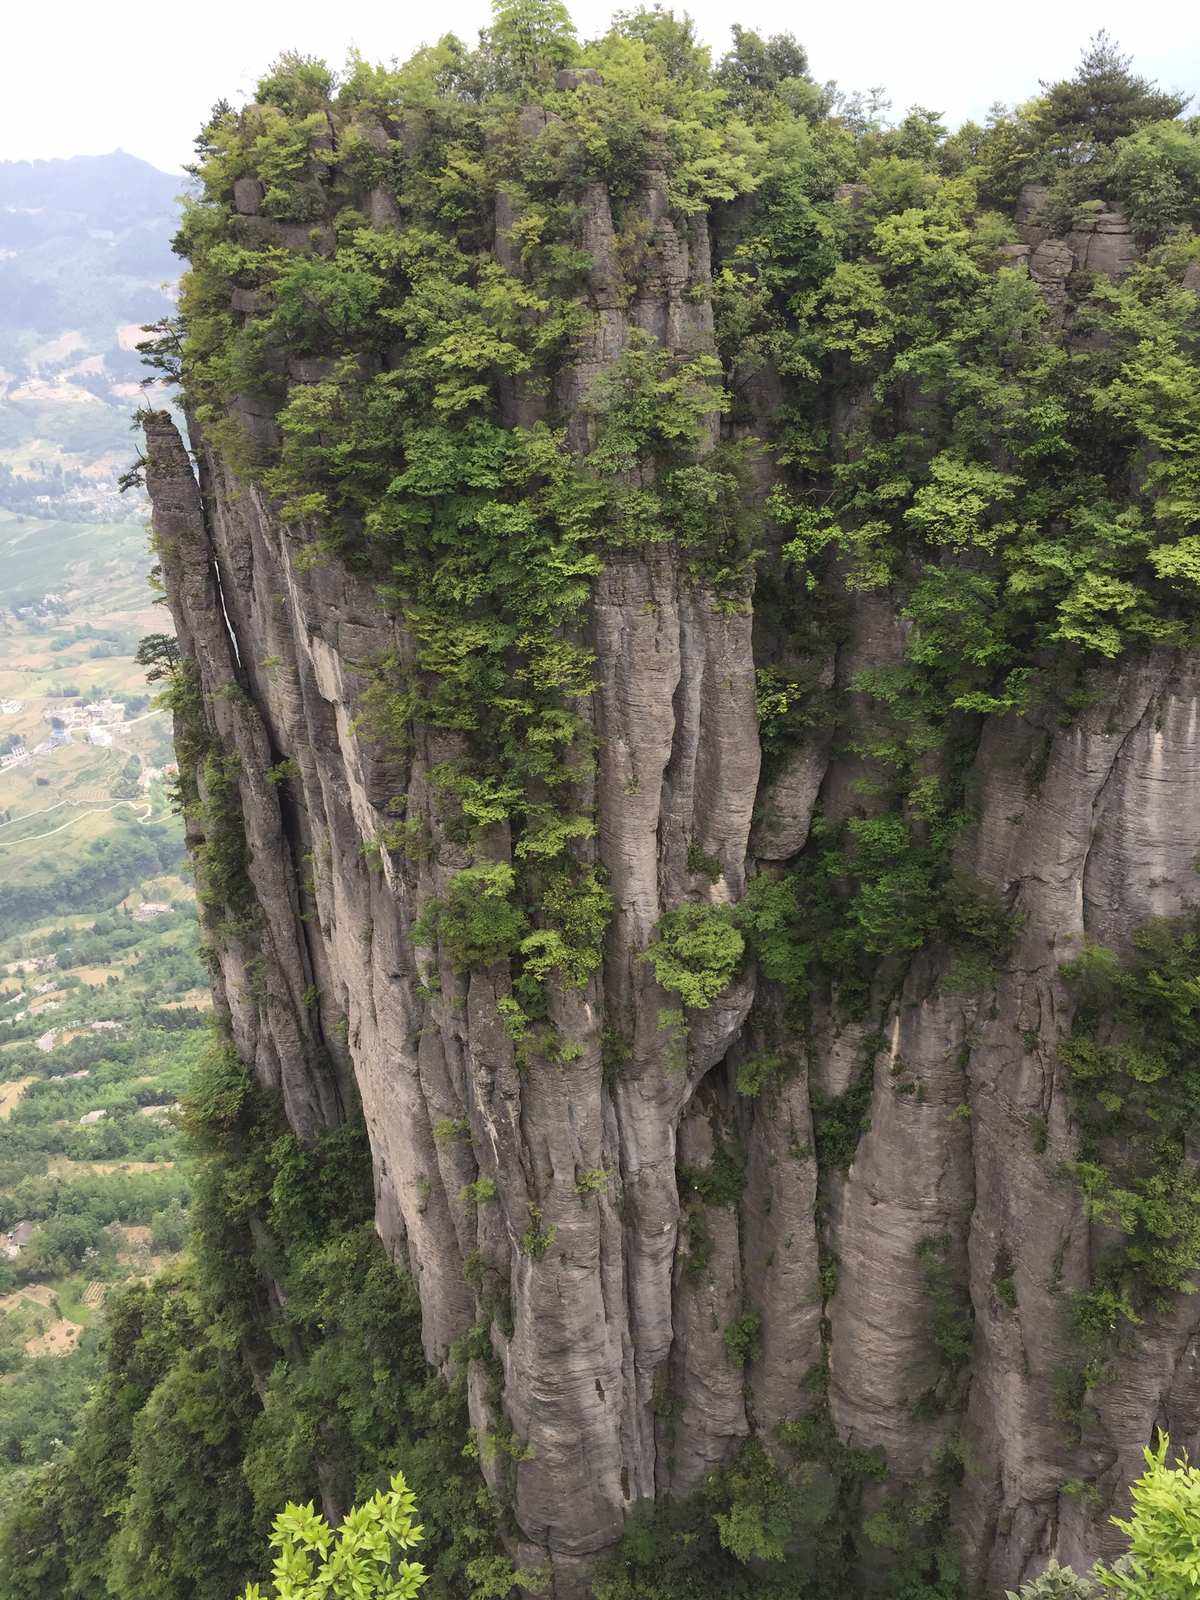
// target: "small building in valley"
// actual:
[[17, 1238]]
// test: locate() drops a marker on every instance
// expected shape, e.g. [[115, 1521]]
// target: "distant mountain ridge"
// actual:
[[114, 188], [83, 238], [85, 260]]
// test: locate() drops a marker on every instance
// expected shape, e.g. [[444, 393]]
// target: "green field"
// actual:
[[77, 819], [122, 1019], [97, 562]]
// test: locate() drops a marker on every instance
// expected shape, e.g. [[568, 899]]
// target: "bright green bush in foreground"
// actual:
[[363, 1559]]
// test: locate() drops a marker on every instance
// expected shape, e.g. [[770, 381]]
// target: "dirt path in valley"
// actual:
[[59, 1339], [10, 1094]]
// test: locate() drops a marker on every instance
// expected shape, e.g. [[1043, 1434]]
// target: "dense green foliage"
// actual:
[[362, 1560], [1163, 1558], [787, 1523], [1025, 503], [696, 951], [1107, 130], [217, 1404], [1131, 1059]]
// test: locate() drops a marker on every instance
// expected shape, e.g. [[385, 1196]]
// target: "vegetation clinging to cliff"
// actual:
[[410, 397], [1131, 1059], [1025, 503]]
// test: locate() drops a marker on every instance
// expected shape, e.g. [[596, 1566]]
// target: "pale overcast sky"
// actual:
[[86, 77]]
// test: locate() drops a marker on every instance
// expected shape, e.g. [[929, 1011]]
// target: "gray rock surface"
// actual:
[[1104, 244], [1031, 204]]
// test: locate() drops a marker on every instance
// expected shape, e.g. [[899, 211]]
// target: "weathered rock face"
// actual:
[[611, 1309], [1100, 243]]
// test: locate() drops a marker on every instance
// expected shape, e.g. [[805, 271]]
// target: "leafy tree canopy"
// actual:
[[1105, 100]]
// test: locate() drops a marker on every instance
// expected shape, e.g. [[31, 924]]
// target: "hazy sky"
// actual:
[[85, 77]]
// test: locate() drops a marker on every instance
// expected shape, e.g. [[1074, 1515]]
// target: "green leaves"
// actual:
[[1130, 1056], [475, 923], [1156, 172], [529, 39], [577, 907], [1155, 390], [642, 112], [696, 952], [957, 506], [743, 1338], [1179, 561], [1055, 1583], [1097, 613], [320, 303], [361, 1560], [649, 408], [1163, 1558]]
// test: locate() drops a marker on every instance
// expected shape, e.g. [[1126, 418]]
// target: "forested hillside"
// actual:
[[104, 998], [684, 687]]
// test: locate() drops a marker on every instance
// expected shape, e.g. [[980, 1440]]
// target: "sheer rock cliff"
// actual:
[[611, 1365]]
